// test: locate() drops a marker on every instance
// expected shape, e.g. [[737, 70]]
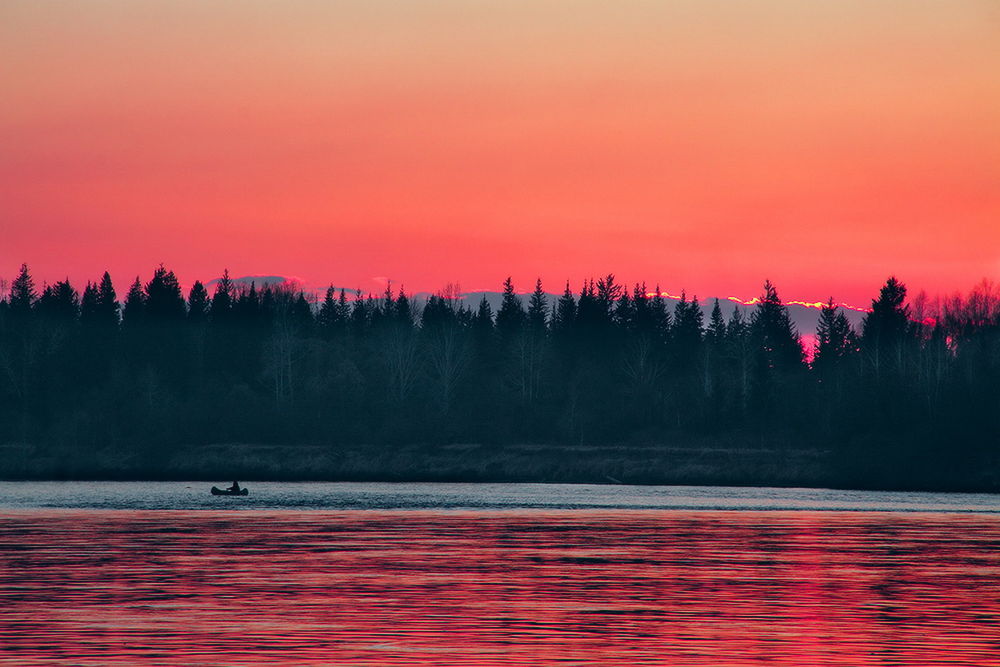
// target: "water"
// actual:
[[382, 574]]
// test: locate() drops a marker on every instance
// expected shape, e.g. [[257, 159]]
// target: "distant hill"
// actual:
[[805, 318]]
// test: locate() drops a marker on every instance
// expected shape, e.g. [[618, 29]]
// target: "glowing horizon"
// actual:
[[704, 145]]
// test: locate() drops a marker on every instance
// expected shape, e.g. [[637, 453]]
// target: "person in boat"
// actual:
[[235, 488]]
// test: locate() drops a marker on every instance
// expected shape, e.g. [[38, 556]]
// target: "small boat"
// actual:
[[216, 491]]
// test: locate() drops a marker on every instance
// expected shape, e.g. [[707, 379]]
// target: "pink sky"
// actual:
[[703, 144]]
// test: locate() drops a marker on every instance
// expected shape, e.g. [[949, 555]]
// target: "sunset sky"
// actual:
[[704, 144]]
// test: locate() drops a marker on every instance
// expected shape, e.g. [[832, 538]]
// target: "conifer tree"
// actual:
[[484, 315], [343, 307], [739, 356], [833, 338], [511, 316], [59, 302], [164, 299], [329, 312], [884, 330], [89, 306], [247, 305], [775, 336], [538, 308], [198, 303], [564, 312], [642, 315], [134, 309], [624, 312], [107, 302], [222, 300], [607, 295], [714, 349], [403, 313], [716, 332], [660, 316], [302, 314], [22, 294], [687, 327]]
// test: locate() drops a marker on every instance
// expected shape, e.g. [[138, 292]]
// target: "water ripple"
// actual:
[[377, 587]]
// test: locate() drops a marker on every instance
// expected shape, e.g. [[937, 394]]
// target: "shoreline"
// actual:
[[639, 465]]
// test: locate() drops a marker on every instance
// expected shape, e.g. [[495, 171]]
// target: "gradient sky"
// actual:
[[704, 144]]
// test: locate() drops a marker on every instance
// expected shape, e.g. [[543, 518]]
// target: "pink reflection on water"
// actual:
[[498, 588]]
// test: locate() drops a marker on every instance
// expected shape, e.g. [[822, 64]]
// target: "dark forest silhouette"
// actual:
[[912, 395]]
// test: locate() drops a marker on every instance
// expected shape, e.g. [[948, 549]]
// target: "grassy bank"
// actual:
[[704, 464]]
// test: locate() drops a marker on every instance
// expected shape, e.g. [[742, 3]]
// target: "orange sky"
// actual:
[[704, 144]]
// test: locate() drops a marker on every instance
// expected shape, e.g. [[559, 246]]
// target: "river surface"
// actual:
[[495, 574]]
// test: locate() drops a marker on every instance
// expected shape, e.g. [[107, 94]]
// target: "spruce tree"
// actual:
[[537, 308], [59, 302], [511, 316], [164, 299], [302, 314], [198, 303], [624, 312], [687, 327], [107, 302], [885, 330], [775, 337], [716, 332], [607, 295], [89, 305], [329, 312], [660, 316], [833, 338], [134, 309], [564, 312], [222, 300], [22, 294]]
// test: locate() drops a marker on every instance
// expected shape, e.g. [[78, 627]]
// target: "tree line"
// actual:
[[917, 383]]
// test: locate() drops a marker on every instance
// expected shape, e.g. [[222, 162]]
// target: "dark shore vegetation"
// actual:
[[607, 384]]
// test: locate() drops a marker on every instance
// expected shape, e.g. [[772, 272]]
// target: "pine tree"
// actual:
[[484, 315], [884, 330], [223, 299], [624, 312], [302, 314], [608, 294], [511, 316], [714, 350], [716, 332], [22, 294], [329, 312], [642, 314], [247, 306], [739, 356], [164, 299], [833, 338], [402, 310], [344, 307], [134, 309], [361, 314], [775, 337], [89, 305], [660, 316], [588, 311], [564, 312], [687, 327], [59, 302], [198, 303], [107, 302], [538, 308]]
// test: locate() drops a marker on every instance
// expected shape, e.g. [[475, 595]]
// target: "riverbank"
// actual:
[[708, 464]]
